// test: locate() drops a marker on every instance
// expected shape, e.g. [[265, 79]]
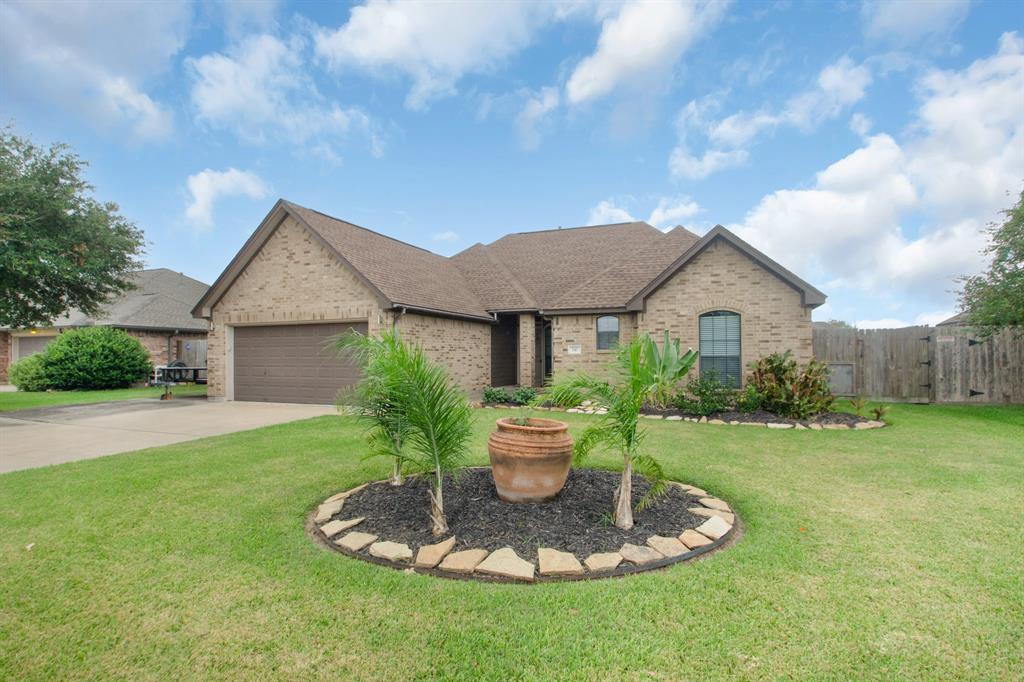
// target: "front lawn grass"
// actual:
[[882, 554], [11, 401]]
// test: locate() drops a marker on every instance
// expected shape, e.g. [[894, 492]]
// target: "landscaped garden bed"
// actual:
[[570, 536]]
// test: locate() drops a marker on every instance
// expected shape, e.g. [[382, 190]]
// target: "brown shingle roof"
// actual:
[[631, 272], [580, 268], [405, 274], [549, 263]]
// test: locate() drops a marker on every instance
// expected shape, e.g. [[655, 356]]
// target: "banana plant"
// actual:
[[666, 367]]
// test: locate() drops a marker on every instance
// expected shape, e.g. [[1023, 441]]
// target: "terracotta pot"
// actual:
[[530, 463]]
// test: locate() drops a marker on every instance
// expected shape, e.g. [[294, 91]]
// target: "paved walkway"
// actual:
[[53, 435]]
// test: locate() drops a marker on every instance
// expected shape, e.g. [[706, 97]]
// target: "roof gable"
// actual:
[[422, 280], [810, 295]]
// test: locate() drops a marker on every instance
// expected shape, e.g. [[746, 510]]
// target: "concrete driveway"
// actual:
[[52, 435]]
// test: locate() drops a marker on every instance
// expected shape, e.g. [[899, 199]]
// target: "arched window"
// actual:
[[720, 346], [607, 332]]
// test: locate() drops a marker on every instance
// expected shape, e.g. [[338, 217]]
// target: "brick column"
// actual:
[[527, 345]]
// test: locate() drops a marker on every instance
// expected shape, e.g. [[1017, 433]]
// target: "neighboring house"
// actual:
[[511, 312], [157, 312]]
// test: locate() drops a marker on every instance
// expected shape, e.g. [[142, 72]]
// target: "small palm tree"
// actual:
[[638, 367], [373, 398], [435, 415]]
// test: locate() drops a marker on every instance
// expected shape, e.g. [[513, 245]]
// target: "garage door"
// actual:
[[30, 345], [290, 363]]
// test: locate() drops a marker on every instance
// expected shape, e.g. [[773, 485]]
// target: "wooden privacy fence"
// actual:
[[923, 364]]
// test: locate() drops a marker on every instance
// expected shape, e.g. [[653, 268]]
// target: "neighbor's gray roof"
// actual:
[[958, 319], [162, 299]]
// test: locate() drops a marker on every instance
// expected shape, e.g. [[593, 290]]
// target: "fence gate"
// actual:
[[970, 370], [885, 364]]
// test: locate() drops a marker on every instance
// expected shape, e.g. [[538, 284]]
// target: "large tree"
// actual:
[[994, 300], [59, 247]]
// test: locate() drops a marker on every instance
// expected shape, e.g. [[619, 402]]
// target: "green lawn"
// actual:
[[21, 400], [868, 554]]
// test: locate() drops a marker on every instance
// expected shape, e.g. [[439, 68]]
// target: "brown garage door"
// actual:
[[289, 363]]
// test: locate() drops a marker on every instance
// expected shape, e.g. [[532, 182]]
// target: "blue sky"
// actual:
[[863, 145]]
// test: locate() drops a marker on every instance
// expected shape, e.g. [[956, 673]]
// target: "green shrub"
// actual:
[[749, 400], [858, 405], [29, 374], [564, 394], [523, 395], [788, 390], [704, 395], [497, 395], [95, 358]]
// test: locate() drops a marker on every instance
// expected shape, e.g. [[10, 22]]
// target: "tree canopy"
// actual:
[[994, 300], [60, 248]]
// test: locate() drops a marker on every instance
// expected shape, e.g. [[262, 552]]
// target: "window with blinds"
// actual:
[[607, 332], [720, 346]]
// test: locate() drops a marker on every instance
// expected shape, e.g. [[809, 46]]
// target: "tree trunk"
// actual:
[[624, 496], [396, 473], [437, 508]]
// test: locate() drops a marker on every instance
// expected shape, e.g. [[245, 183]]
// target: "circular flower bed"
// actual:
[[569, 537]]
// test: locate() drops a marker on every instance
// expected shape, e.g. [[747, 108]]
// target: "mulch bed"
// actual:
[[762, 416], [578, 520]]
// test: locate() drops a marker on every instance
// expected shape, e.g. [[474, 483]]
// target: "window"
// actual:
[[607, 332], [720, 346]]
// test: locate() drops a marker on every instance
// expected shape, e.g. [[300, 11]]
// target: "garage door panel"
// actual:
[[291, 363]]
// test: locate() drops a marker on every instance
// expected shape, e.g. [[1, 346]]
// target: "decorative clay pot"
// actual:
[[530, 463]]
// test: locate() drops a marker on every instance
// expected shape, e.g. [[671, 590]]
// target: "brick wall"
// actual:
[[527, 349], [295, 279], [156, 343], [5, 356], [772, 315], [463, 346], [567, 330]]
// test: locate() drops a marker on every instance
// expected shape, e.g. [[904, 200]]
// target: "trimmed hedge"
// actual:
[[29, 374], [95, 358]]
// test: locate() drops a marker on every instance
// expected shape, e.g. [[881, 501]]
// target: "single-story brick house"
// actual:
[[158, 312], [511, 312]]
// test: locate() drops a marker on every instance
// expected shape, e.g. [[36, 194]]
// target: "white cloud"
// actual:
[[902, 23], [929, 319], [838, 86], [909, 217], [671, 212], [246, 16], [434, 44], [860, 124], [95, 59], [529, 121], [639, 45], [260, 90], [208, 186], [606, 213], [447, 236], [682, 164]]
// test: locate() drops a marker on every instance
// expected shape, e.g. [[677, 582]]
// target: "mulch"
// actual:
[[578, 520]]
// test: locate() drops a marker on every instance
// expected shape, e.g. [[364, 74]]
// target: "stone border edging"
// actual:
[[812, 426], [623, 567]]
